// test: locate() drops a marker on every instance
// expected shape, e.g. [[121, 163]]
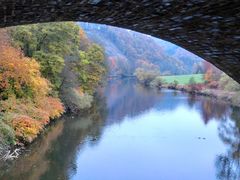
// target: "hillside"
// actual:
[[126, 50]]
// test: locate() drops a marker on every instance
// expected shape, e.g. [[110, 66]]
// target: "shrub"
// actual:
[[175, 83], [156, 82], [236, 99], [145, 77], [75, 100], [52, 106], [192, 81], [192, 84], [213, 85], [80, 100], [7, 135], [26, 129], [228, 84]]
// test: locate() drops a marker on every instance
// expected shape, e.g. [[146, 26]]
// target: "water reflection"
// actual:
[[210, 109], [137, 133], [228, 164], [53, 155], [127, 98]]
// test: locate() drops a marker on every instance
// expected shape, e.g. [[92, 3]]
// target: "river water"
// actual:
[[134, 133]]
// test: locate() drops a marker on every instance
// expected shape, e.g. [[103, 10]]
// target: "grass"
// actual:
[[183, 79]]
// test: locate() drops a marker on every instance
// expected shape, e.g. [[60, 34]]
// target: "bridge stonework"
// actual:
[[208, 28]]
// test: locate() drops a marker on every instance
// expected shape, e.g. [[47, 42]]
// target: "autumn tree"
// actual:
[[146, 77], [25, 105], [208, 71], [49, 44], [212, 73], [20, 75]]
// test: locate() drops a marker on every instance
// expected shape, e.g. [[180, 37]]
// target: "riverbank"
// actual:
[[231, 98], [38, 79], [13, 151], [213, 83]]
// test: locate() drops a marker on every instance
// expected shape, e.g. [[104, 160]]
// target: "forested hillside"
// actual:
[[66, 57], [44, 68], [127, 50]]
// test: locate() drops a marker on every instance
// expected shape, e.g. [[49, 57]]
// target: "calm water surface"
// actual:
[[133, 133]]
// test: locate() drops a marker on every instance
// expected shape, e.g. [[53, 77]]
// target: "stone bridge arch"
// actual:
[[208, 28]]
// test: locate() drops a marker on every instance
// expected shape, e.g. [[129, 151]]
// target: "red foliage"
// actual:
[[213, 85], [196, 87]]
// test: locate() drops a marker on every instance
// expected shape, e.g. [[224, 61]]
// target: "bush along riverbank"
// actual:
[[26, 105], [214, 83], [44, 72]]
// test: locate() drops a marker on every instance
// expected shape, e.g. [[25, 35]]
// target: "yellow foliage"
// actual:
[[26, 128], [19, 72], [24, 100], [79, 90]]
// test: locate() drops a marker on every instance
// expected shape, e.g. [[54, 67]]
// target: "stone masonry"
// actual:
[[208, 28]]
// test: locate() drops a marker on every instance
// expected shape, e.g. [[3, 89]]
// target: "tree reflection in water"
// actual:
[[55, 154], [228, 165], [209, 108]]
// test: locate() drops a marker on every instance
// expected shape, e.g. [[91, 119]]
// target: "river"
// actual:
[[134, 133]]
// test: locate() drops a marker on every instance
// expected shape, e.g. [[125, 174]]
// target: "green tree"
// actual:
[[192, 84], [66, 56], [49, 44], [192, 81], [175, 83], [51, 66], [90, 67]]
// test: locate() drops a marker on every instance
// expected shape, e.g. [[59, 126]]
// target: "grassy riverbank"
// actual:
[[184, 79], [213, 83]]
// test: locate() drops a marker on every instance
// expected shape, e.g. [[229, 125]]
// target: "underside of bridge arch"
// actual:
[[210, 29]]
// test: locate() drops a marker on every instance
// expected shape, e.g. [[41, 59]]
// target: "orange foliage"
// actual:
[[52, 106], [24, 107], [208, 71], [25, 103], [28, 118], [82, 33], [208, 75], [26, 128], [18, 73]]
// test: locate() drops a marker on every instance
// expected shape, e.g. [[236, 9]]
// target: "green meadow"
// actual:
[[183, 79]]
